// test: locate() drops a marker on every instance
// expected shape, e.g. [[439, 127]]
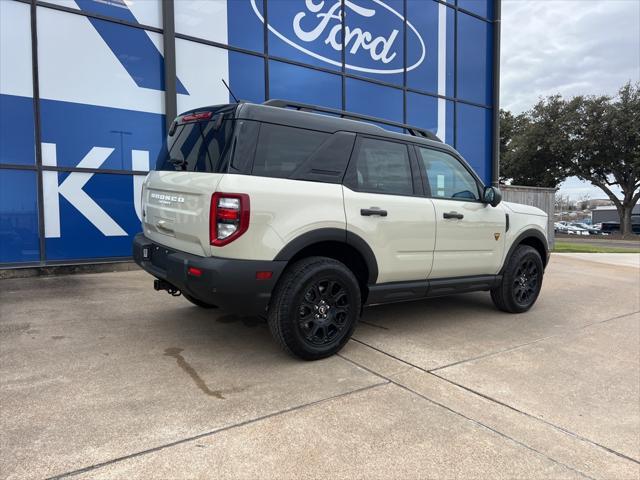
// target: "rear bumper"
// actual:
[[228, 283]]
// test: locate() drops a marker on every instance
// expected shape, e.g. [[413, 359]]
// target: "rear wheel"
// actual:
[[521, 281], [315, 308], [197, 302]]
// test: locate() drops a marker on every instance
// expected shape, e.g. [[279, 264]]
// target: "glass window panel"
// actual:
[[473, 126], [96, 62], [18, 216], [79, 237], [484, 8], [246, 75], [202, 19], [236, 23], [99, 137], [202, 68], [439, 56], [145, 12], [448, 178], [374, 33], [16, 86], [475, 57], [305, 85], [431, 113], [312, 37], [375, 100], [245, 26], [383, 167], [283, 149]]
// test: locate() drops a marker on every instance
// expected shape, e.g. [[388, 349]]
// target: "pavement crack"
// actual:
[[364, 322], [472, 420], [212, 432], [515, 347], [529, 415], [486, 397]]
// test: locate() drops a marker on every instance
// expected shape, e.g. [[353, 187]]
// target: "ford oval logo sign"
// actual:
[[373, 34]]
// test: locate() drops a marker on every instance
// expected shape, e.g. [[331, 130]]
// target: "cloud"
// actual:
[[571, 47], [577, 189]]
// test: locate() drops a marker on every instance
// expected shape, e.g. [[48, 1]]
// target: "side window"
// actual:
[[282, 149], [383, 167], [448, 178]]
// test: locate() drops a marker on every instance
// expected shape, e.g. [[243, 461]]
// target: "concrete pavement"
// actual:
[[101, 377]]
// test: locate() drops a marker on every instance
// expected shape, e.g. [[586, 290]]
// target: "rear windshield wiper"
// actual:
[[178, 163]]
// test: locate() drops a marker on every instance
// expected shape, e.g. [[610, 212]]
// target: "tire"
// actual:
[[197, 302], [315, 308], [521, 281]]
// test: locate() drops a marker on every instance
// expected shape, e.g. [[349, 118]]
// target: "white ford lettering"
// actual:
[[324, 20]]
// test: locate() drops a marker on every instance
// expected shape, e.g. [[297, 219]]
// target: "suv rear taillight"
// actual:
[[229, 217]]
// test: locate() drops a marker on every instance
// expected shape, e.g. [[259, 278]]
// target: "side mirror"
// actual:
[[492, 196]]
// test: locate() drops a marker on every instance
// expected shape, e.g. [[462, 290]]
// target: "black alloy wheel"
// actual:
[[314, 308], [521, 281], [525, 282], [323, 311]]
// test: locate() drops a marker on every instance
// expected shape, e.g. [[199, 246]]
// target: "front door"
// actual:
[[384, 206], [470, 233]]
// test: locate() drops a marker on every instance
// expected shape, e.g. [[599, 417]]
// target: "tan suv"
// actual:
[[307, 217]]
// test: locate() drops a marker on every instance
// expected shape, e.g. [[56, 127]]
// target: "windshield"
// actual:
[[202, 146]]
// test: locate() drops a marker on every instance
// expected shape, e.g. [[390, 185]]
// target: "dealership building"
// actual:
[[87, 88]]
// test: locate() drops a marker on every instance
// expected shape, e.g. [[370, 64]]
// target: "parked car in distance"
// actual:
[[306, 218], [572, 230], [590, 229], [614, 227]]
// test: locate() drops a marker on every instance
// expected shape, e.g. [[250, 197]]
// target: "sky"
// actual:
[[570, 47]]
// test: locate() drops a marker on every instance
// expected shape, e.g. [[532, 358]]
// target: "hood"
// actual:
[[524, 209]]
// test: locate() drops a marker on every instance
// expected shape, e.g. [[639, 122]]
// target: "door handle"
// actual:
[[367, 212], [457, 215]]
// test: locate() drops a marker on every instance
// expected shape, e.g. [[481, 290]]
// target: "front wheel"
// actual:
[[521, 281], [315, 308]]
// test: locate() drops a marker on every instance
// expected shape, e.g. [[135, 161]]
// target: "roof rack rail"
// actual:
[[305, 107]]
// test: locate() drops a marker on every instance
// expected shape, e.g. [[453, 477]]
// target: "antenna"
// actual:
[[225, 84]]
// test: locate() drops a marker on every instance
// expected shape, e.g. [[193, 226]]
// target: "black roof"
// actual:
[[330, 120]]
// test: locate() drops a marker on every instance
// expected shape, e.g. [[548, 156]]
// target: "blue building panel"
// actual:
[[79, 238], [19, 240], [76, 128], [305, 85], [16, 130]]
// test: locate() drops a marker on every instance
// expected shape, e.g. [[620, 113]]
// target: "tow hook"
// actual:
[[162, 285]]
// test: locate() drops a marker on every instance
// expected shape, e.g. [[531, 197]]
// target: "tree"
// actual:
[[605, 141], [534, 145], [595, 138]]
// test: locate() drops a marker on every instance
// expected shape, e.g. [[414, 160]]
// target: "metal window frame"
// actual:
[[170, 97]]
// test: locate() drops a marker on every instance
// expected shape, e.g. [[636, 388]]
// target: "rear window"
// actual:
[[198, 147], [283, 149]]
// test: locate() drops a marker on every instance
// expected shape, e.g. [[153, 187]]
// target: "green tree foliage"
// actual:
[[596, 138], [533, 147]]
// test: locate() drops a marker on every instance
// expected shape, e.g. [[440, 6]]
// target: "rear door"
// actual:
[[385, 206], [176, 198], [470, 233]]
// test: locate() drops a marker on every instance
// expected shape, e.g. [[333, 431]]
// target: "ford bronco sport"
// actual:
[[306, 218]]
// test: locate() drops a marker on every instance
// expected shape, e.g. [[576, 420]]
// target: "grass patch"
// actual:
[[568, 247]]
